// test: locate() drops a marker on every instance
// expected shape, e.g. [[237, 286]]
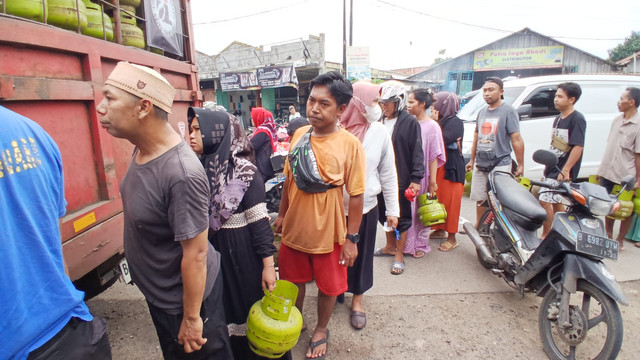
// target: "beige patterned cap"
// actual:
[[144, 83]]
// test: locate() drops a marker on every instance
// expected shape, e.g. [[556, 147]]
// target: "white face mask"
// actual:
[[372, 113]]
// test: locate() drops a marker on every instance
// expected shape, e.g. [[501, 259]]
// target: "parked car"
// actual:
[[533, 99], [464, 99]]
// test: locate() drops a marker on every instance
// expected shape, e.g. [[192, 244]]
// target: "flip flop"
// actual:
[[418, 254], [397, 268], [313, 345], [446, 246], [379, 252]]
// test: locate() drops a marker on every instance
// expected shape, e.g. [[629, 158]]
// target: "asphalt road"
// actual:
[[445, 305]]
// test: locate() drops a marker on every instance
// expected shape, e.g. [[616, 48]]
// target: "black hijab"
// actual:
[[226, 157]]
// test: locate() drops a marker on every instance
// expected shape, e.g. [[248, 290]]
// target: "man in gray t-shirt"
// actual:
[[497, 130], [165, 197]]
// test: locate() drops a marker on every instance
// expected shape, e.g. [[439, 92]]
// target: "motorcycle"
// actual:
[[579, 316]]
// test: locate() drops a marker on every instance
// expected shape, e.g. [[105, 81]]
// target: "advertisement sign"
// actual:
[[239, 81], [358, 67], [533, 57], [277, 76], [164, 25]]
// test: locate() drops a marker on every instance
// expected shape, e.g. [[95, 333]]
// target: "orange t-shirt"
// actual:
[[314, 222]]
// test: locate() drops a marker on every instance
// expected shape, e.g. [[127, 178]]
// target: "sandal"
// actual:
[[313, 345], [638, 245], [418, 254], [397, 268], [447, 246], [379, 252]]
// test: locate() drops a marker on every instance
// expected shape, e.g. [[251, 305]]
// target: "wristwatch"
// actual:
[[353, 237]]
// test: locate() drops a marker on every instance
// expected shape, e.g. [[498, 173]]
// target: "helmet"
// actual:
[[393, 91]]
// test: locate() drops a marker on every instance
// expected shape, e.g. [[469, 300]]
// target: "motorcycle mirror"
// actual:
[[545, 157], [627, 182]]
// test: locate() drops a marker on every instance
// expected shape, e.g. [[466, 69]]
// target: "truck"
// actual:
[[55, 77]]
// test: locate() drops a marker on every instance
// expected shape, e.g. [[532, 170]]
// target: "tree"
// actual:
[[441, 58], [627, 48]]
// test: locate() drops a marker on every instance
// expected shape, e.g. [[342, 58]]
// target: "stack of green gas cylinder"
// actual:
[[81, 14]]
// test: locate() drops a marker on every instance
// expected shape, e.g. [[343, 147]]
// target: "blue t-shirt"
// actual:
[[37, 298]]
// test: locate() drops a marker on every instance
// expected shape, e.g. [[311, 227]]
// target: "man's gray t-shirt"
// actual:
[[494, 128], [165, 201]]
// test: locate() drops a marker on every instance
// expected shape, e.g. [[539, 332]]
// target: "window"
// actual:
[[541, 101]]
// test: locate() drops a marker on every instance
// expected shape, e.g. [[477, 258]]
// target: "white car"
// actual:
[[533, 99]]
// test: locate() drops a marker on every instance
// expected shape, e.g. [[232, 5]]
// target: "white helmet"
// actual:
[[394, 91]]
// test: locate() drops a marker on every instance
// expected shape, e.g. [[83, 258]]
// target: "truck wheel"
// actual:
[[596, 325]]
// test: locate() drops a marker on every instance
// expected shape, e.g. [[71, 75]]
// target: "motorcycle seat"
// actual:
[[525, 212]]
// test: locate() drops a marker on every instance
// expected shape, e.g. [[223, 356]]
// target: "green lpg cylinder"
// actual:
[[430, 210], [95, 18], [133, 3], [132, 35], [64, 14], [274, 323], [28, 9]]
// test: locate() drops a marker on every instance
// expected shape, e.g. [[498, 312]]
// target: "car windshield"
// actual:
[[470, 110]]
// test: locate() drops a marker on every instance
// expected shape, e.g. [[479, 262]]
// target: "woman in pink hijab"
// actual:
[[361, 119]]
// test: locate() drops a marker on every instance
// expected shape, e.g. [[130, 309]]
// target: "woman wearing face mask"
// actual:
[[450, 177], [420, 100], [360, 119], [238, 220]]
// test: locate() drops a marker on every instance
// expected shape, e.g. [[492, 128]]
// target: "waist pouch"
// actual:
[[304, 167], [485, 164]]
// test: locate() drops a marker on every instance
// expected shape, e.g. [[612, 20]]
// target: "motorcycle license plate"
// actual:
[[596, 245]]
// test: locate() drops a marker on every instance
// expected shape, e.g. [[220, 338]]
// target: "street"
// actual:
[[445, 305]]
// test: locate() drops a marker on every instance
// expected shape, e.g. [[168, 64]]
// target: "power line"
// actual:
[[485, 27], [250, 15]]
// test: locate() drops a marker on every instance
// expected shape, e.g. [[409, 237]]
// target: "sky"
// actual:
[[410, 33]]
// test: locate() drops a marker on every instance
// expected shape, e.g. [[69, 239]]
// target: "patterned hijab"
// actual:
[[447, 104], [263, 121], [352, 119], [227, 160]]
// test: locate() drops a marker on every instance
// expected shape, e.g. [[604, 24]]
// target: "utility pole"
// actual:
[[351, 23], [344, 37]]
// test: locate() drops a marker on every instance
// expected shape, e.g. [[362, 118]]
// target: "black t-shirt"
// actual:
[[571, 129]]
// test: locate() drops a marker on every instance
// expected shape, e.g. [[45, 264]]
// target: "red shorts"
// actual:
[[300, 267]]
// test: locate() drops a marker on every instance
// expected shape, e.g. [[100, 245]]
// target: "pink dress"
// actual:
[[433, 147]]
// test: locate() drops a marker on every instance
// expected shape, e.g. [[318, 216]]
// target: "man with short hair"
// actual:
[[497, 131], [318, 241], [622, 154], [567, 142], [165, 197], [43, 315]]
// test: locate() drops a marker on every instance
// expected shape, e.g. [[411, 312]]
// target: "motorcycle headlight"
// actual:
[[599, 206]]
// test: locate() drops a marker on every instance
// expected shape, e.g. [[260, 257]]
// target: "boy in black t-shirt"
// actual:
[[567, 141]]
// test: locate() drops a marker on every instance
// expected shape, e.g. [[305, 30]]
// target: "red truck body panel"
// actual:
[[55, 77]]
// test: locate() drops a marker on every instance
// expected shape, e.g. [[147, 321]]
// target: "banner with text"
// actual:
[[239, 81], [164, 25], [277, 76], [533, 57], [358, 67]]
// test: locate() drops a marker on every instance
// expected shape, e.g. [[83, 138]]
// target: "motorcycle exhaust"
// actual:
[[477, 240]]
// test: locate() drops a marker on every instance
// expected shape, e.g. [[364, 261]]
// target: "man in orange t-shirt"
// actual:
[[318, 241]]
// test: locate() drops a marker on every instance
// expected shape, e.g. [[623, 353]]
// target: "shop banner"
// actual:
[[533, 57], [277, 76], [358, 67], [239, 81], [164, 25]]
